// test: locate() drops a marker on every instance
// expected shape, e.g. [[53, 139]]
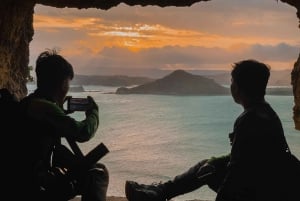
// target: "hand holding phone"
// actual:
[[78, 104]]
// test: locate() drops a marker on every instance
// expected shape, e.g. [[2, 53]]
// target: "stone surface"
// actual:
[[116, 198], [295, 81], [16, 33], [109, 198]]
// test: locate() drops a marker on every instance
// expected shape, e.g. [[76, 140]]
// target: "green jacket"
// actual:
[[62, 125], [47, 123]]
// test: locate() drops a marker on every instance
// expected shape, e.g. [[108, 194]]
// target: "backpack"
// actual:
[[17, 174], [9, 106], [13, 157], [9, 118]]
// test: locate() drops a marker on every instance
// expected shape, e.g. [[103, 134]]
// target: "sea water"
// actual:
[[152, 138]]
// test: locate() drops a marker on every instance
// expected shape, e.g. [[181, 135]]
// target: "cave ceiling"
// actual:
[[107, 4]]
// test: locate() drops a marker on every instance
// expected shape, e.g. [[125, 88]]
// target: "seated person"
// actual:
[[255, 169], [56, 173]]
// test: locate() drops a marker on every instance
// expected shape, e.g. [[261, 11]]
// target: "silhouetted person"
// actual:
[[256, 169], [50, 163]]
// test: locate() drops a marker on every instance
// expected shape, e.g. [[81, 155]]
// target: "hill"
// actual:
[[277, 77], [178, 82]]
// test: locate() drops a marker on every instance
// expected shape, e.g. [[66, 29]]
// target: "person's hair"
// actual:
[[51, 70], [251, 77]]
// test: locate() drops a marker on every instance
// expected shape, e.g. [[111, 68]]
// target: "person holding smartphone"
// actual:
[[57, 173]]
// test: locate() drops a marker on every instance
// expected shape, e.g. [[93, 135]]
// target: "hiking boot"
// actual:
[[143, 192]]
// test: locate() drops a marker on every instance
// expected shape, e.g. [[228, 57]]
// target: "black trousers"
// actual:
[[90, 182], [95, 183], [193, 179]]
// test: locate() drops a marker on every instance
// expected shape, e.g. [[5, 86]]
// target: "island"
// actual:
[[179, 82]]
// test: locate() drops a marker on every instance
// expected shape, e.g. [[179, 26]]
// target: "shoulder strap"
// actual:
[[75, 148]]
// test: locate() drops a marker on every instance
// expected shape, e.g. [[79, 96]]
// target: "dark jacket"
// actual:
[[46, 124], [259, 153]]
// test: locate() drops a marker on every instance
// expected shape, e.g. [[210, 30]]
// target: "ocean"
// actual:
[[152, 138]]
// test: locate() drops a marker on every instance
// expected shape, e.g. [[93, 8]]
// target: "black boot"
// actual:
[[181, 184], [142, 192], [185, 182]]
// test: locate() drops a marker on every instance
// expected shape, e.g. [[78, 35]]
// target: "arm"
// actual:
[[64, 125], [243, 156]]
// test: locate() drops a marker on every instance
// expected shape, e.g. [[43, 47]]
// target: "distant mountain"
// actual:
[[280, 91], [280, 78], [109, 80], [178, 82], [76, 89], [277, 77]]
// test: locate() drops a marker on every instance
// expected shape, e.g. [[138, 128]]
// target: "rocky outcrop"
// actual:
[[178, 82], [107, 4], [295, 3], [296, 92], [16, 18]]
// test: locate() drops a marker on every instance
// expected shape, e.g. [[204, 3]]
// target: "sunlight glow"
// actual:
[[42, 21], [140, 36], [123, 34]]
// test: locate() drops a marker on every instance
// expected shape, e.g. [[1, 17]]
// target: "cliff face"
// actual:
[[178, 82], [295, 81], [16, 20]]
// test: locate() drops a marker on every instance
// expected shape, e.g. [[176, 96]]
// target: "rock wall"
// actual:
[[295, 81], [16, 24]]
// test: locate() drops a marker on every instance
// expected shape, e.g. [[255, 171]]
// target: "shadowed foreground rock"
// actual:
[[114, 198], [110, 198]]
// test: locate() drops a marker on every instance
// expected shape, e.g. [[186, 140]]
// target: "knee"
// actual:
[[102, 167], [199, 165], [95, 183], [100, 171], [202, 162]]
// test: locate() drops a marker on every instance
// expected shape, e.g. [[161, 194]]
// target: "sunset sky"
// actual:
[[207, 35]]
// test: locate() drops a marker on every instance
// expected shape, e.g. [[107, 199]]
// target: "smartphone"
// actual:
[[78, 104]]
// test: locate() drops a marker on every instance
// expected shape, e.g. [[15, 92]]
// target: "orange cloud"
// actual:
[[43, 21], [97, 34]]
